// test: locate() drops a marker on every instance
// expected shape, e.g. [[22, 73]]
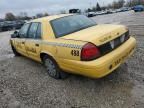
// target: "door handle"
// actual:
[[23, 42], [37, 45]]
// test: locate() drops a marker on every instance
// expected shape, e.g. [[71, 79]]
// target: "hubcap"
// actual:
[[50, 66]]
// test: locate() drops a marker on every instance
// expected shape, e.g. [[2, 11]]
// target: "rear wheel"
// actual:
[[53, 69]]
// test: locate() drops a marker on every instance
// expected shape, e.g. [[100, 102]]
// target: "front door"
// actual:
[[20, 42]]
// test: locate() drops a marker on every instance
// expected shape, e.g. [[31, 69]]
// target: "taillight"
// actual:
[[89, 52]]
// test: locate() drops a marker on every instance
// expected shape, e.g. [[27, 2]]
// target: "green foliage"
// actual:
[[132, 3], [10, 17], [98, 8]]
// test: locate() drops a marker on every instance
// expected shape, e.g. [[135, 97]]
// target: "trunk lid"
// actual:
[[99, 34]]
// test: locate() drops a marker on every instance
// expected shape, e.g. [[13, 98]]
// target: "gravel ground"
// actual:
[[25, 83]]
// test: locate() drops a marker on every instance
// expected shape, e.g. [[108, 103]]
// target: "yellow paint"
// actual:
[[60, 48]]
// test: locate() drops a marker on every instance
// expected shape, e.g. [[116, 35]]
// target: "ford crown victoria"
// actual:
[[74, 44]]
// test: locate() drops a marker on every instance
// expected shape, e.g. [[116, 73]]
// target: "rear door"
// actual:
[[20, 42], [33, 41]]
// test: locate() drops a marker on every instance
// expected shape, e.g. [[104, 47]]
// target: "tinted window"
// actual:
[[33, 30], [23, 31], [70, 24], [38, 34]]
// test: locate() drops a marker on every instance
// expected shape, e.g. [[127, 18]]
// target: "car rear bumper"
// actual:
[[102, 66]]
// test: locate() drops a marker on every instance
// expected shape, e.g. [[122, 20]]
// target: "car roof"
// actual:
[[49, 18]]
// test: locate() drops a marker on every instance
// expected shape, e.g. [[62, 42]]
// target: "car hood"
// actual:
[[98, 34]]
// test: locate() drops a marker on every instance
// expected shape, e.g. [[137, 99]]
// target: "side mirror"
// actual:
[[15, 35]]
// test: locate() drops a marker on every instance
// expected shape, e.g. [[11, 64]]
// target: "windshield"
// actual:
[[70, 24]]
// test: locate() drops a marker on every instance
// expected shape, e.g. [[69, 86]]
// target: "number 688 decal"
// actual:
[[75, 53]]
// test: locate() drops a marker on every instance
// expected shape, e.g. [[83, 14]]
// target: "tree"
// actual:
[[131, 3], [98, 8], [121, 3], [23, 16], [104, 8], [46, 14], [89, 10], [39, 15], [94, 8], [109, 6], [116, 5], [10, 16]]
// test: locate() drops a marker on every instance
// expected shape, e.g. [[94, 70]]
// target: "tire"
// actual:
[[53, 69], [14, 51]]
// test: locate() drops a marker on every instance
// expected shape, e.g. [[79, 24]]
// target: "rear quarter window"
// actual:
[[39, 32]]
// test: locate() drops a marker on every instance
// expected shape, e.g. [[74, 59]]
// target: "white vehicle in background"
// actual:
[[123, 9], [109, 11], [101, 13], [118, 10], [114, 11], [91, 14]]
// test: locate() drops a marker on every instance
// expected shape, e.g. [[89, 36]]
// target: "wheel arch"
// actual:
[[43, 54], [62, 75]]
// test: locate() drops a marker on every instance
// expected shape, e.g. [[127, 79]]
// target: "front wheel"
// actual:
[[53, 69], [14, 51]]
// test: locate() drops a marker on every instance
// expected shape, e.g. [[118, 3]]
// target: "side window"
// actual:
[[38, 33], [33, 30], [23, 31]]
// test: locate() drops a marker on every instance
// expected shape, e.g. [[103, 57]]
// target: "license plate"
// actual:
[[120, 60], [115, 43], [112, 44]]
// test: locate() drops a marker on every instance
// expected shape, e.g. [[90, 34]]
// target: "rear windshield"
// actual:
[[70, 24]]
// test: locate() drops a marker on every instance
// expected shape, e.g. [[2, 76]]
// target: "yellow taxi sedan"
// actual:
[[74, 44]]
